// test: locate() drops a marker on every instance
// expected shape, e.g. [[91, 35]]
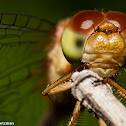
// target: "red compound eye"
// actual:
[[84, 21], [118, 19]]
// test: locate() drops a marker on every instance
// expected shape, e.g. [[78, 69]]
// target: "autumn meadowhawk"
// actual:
[[24, 41], [91, 40]]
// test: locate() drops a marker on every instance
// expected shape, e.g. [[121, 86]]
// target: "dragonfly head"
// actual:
[[98, 39]]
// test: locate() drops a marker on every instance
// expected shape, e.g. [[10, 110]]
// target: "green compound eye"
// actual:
[[80, 26], [72, 45]]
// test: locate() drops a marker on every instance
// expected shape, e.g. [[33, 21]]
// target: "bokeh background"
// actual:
[[55, 10], [33, 108]]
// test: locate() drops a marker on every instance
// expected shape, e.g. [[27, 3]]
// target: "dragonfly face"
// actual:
[[96, 38], [105, 50]]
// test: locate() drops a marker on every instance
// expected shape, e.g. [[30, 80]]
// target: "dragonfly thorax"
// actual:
[[104, 50]]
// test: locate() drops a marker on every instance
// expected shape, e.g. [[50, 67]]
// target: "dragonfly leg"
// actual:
[[76, 113], [60, 85], [101, 122], [120, 89]]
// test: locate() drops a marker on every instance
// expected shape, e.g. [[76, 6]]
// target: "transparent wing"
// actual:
[[23, 40]]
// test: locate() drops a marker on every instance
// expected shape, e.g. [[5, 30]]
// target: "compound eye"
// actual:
[[118, 19], [72, 45], [77, 31]]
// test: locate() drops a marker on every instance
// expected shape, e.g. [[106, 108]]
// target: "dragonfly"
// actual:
[[24, 41], [90, 40]]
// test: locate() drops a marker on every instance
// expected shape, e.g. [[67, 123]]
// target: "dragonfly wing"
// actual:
[[23, 40]]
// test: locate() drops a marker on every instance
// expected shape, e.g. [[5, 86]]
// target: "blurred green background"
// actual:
[[31, 110], [55, 10]]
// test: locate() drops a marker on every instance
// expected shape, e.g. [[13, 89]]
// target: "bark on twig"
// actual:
[[88, 88]]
